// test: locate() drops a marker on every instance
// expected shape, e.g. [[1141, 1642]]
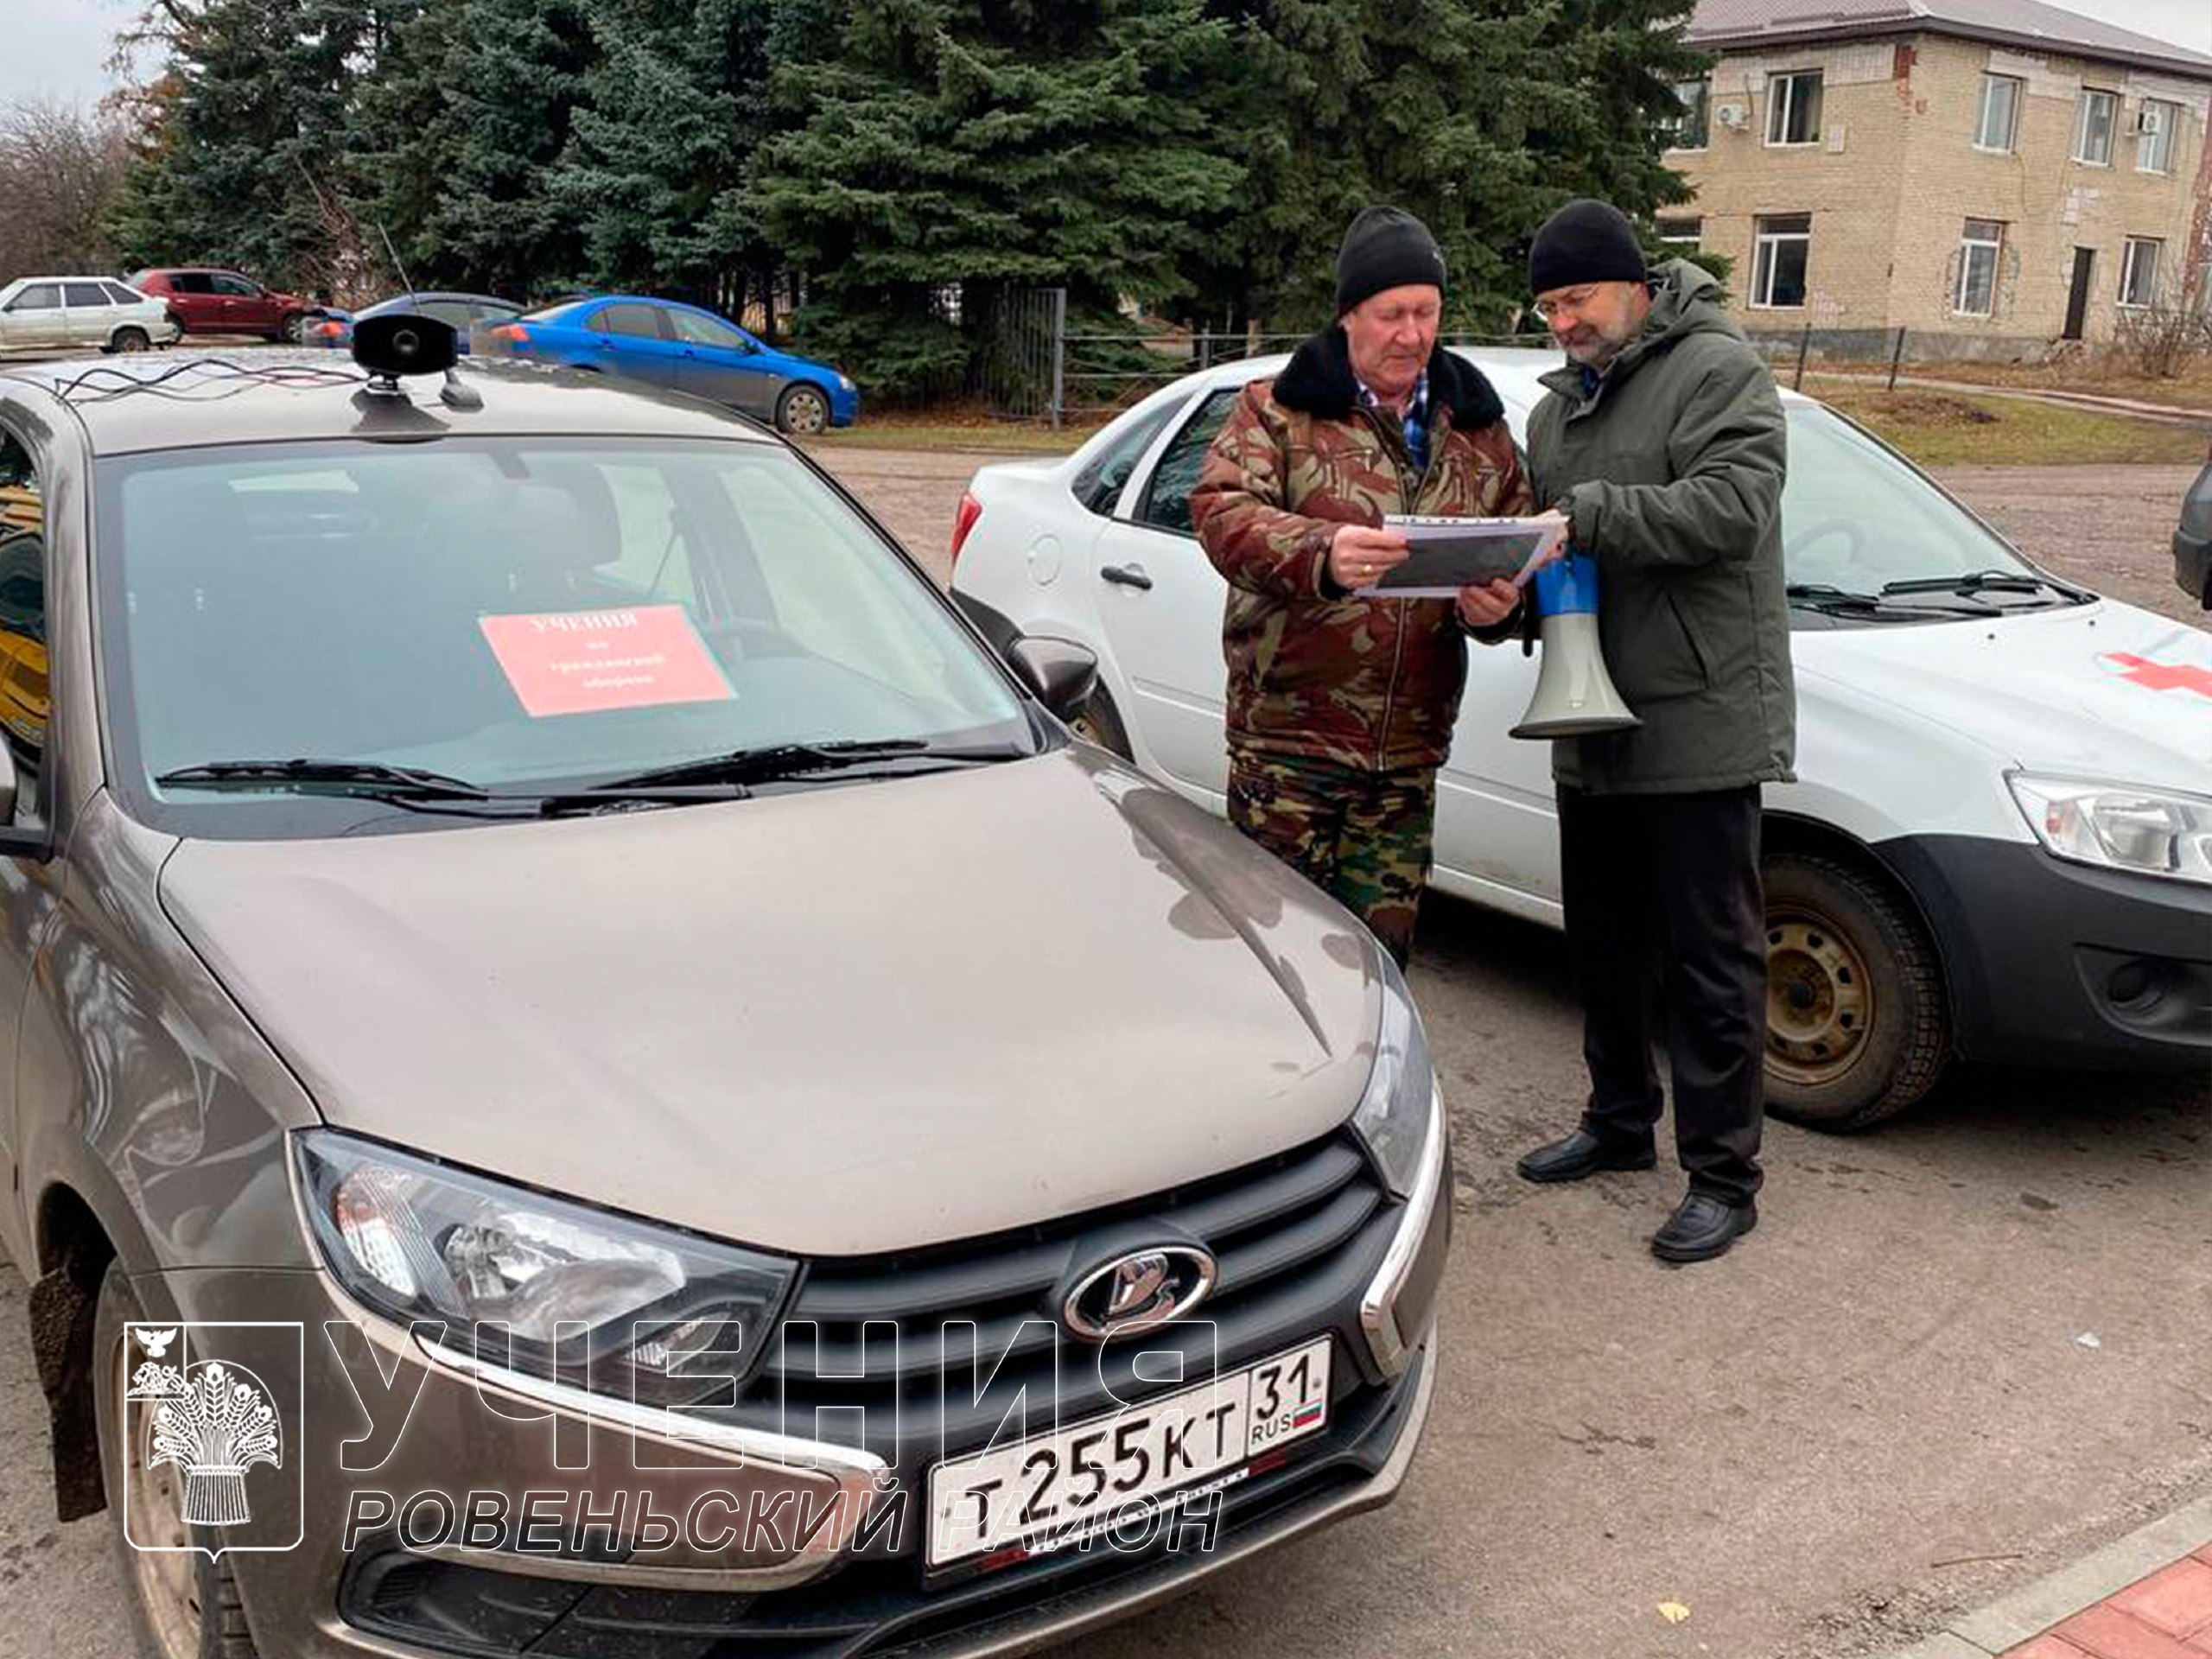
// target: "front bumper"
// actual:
[[2054, 963], [376, 1569], [2193, 566]]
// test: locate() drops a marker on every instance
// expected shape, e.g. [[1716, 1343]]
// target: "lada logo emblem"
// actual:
[[1138, 1291]]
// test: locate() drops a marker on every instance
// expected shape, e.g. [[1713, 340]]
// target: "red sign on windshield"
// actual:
[[579, 662]]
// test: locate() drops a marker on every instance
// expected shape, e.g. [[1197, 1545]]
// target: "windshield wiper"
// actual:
[[1883, 607], [348, 777], [778, 761], [413, 787], [1975, 582]]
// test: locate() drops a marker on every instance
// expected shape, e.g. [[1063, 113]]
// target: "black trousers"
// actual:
[[1662, 892]]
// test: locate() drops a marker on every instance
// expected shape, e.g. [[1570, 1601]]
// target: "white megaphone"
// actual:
[[1574, 695]]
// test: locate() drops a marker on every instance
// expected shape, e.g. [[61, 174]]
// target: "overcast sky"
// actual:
[[55, 47]]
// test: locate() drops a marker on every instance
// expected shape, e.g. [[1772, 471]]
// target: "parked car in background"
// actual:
[[664, 343], [462, 312], [72, 314], [207, 302], [1999, 843], [2193, 538]]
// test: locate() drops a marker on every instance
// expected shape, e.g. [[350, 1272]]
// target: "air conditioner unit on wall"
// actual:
[[1731, 115], [2147, 122]]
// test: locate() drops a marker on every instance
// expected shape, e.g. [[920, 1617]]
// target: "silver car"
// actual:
[[71, 314], [593, 1072]]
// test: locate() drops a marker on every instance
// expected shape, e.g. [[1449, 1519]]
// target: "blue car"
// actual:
[[335, 328], [685, 349]]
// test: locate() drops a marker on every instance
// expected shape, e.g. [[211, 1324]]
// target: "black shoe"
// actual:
[[1703, 1227], [1582, 1153]]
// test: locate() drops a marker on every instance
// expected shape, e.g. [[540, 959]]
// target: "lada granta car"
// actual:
[[593, 1072]]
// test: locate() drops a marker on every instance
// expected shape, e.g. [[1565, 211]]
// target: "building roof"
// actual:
[[2029, 25]]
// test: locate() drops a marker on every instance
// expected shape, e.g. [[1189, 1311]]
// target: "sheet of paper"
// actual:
[[1448, 554], [578, 662]]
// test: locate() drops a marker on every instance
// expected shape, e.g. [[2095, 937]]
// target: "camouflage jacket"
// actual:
[[1373, 684]]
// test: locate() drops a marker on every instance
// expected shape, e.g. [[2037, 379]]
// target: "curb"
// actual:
[[2027, 1613]]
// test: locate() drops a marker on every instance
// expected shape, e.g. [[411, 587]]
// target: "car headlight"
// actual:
[[536, 1284], [845, 383], [1394, 1115], [2119, 826]]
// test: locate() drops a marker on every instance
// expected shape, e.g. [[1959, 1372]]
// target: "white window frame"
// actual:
[[1990, 82], [2130, 257], [1765, 243], [1694, 95], [1970, 244], [1782, 100], [2168, 129], [2089, 96]]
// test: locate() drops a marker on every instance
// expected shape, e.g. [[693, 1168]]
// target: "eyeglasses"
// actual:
[[1575, 299]]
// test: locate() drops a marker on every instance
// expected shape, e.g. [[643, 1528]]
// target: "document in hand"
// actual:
[[1448, 554]]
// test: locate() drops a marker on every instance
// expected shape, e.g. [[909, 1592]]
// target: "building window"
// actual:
[[1998, 125], [1690, 129], [2139, 272], [1779, 249], [1978, 252], [1793, 108], [1685, 233], [2155, 125], [2093, 130]]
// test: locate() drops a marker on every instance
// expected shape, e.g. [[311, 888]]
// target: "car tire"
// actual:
[[803, 410], [1099, 721], [1858, 1028], [183, 1605], [129, 339], [294, 329]]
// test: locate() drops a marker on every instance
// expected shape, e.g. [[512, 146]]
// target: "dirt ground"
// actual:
[[2110, 528]]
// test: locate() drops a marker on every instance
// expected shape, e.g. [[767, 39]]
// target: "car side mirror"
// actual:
[[1059, 673]]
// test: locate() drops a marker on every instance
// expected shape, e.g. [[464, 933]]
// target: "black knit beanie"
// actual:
[[1385, 248], [1586, 241]]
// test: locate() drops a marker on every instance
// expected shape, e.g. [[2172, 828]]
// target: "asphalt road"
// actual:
[[1959, 1352]]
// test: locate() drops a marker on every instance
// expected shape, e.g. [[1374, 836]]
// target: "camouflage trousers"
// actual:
[[1363, 838]]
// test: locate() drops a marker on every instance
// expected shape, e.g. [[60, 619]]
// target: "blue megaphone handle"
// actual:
[[1568, 587]]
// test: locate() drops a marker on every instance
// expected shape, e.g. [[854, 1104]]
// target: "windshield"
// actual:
[[1855, 516], [521, 615]]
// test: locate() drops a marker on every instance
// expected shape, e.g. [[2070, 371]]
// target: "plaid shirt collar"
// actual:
[[1417, 416]]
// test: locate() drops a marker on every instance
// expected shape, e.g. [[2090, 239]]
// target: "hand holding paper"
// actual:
[[1446, 555]]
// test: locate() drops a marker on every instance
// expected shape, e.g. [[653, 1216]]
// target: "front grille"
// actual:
[[891, 1334]]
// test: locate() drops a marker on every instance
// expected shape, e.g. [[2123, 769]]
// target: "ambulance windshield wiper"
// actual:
[[1975, 582], [1841, 601], [780, 760]]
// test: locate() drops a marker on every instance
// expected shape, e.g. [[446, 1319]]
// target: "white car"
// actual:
[[70, 314], [2000, 845]]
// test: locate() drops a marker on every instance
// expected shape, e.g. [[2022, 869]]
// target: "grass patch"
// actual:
[[1942, 429], [2103, 375], [1004, 438]]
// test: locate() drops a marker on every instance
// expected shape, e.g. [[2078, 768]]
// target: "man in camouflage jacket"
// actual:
[[1340, 707]]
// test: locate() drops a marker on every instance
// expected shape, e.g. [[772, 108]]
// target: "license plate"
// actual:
[[1051, 1491]]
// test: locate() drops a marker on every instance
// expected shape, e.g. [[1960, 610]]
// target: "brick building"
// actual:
[[1994, 176]]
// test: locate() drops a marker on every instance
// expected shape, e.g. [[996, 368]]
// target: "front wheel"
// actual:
[[183, 1606], [294, 329], [802, 410], [130, 339], [1857, 1025]]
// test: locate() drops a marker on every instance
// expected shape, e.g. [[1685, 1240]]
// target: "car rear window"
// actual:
[[122, 296], [86, 296]]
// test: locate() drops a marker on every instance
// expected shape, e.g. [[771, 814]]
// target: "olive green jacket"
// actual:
[[1671, 463]]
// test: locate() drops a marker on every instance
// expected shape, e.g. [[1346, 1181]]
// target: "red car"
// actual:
[[206, 302]]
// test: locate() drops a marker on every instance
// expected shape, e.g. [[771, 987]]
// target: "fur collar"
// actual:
[[1319, 381]]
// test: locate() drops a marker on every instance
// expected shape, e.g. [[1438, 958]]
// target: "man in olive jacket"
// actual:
[[1662, 440], [1341, 702]]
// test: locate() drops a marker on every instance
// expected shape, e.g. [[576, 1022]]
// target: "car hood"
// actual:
[[847, 1020], [2105, 690]]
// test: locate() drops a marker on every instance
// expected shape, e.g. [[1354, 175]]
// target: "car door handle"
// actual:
[[1128, 575]]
